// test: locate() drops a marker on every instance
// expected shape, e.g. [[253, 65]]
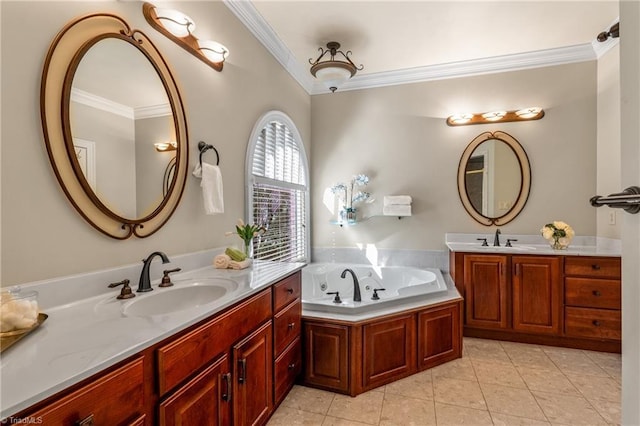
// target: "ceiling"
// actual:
[[407, 41]]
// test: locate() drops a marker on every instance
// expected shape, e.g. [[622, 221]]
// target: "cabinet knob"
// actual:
[[87, 421], [292, 366], [595, 267], [596, 323], [290, 290], [596, 293], [291, 325]]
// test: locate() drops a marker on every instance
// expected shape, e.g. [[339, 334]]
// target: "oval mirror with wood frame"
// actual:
[[494, 178], [107, 96]]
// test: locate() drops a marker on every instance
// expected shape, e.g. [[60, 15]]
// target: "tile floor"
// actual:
[[494, 383]]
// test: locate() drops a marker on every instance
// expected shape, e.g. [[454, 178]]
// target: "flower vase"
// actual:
[[559, 243], [248, 249], [350, 215]]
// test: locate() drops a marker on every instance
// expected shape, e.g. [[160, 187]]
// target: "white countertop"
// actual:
[[532, 244], [86, 336]]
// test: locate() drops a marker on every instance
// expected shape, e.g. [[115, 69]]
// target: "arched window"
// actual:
[[277, 189]]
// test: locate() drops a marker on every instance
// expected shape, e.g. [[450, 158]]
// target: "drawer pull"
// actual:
[[292, 366], [87, 421], [596, 323], [226, 394], [595, 267], [291, 325], [290, 290], [596, 293], [242, 377]]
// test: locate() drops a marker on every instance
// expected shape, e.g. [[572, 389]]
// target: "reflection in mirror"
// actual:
[[494, 177], [120, 107]]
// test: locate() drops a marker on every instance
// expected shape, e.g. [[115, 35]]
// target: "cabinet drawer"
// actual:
[[287, 325], [597, 323], [187, 354], [601, 267], [117, 398], [286, 291], [287, 368], [592, 293]]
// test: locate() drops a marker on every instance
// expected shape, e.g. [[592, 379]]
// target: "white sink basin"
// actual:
[[185, 295], [505, 248]]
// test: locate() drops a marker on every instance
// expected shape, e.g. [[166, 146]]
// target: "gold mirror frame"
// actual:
[[62, 59], [525, 181]]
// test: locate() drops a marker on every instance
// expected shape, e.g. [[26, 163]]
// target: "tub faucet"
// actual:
[[496, 239], [145, 282], [356, 285]]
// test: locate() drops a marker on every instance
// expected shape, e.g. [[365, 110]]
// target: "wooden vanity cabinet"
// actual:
[[114, 398], [571, 301], [593, 298]]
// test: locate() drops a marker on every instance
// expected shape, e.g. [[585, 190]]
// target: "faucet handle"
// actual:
[[375, 293], [337, 298], [509, 242], [126, 292], [166, 281], [484, 242]]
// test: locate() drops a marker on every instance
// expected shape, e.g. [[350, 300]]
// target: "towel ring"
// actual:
[[203, 147]]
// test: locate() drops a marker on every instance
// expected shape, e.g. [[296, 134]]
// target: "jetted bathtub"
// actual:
[[401, 284]]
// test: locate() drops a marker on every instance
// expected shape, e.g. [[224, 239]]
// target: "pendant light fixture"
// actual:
[[333, 72]]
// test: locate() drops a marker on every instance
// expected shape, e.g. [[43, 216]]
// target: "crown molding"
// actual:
[[152, 111], [251, 18], [103, 104]]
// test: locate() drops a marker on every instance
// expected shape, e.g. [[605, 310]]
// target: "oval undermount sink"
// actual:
[[183, 296]]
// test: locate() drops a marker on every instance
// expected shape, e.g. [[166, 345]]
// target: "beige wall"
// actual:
[[399, 137], [42, 235], [608, 145]]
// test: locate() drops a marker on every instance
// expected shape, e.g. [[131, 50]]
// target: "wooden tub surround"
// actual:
[[354, 357]]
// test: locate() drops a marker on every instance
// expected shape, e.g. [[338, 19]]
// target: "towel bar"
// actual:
[[203, 147], [629, 200]]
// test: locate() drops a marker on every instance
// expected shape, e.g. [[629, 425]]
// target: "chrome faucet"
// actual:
[[145, 282], [496, 239], [356, 285]]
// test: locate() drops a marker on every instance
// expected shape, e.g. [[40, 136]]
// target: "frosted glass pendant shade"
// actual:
[[214, 51], [176, 22]]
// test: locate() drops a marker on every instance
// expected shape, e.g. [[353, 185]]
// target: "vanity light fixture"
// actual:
[[165, 146], [179, 27], [333, 72], [524, 114]]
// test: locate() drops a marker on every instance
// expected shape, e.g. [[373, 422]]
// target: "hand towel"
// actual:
[[240, 265], [211, 185], [391, 200], [396, 210], [221, 261]]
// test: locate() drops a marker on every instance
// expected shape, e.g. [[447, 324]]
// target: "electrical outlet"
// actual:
[[612, 217]]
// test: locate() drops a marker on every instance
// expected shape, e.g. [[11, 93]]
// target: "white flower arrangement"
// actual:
[[558, 233], [348, 197]]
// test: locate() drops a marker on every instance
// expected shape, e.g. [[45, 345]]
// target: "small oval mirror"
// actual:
[[494, 178]]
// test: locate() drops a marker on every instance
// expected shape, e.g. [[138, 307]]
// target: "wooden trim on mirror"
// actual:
[[525, 181], [63, 57]]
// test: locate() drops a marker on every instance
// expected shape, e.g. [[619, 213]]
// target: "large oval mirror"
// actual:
[[494, 177], [118, 101]]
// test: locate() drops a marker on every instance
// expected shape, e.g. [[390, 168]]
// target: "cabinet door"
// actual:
[[439, 336], [253, 373], [204, 400], [537, 294], [486, 298], [389, 350], [326, 352]]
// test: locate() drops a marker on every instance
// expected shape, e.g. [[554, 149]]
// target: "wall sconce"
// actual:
[[165, 146], [525, 114], [333, 72], [179, 27]]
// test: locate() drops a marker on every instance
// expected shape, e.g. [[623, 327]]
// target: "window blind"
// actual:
[[281, 211], [279, 195]]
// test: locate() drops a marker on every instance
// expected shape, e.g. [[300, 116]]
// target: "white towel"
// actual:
[[221, 261], [396, 210], [211, 184], [392, 200], [240, 265]]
